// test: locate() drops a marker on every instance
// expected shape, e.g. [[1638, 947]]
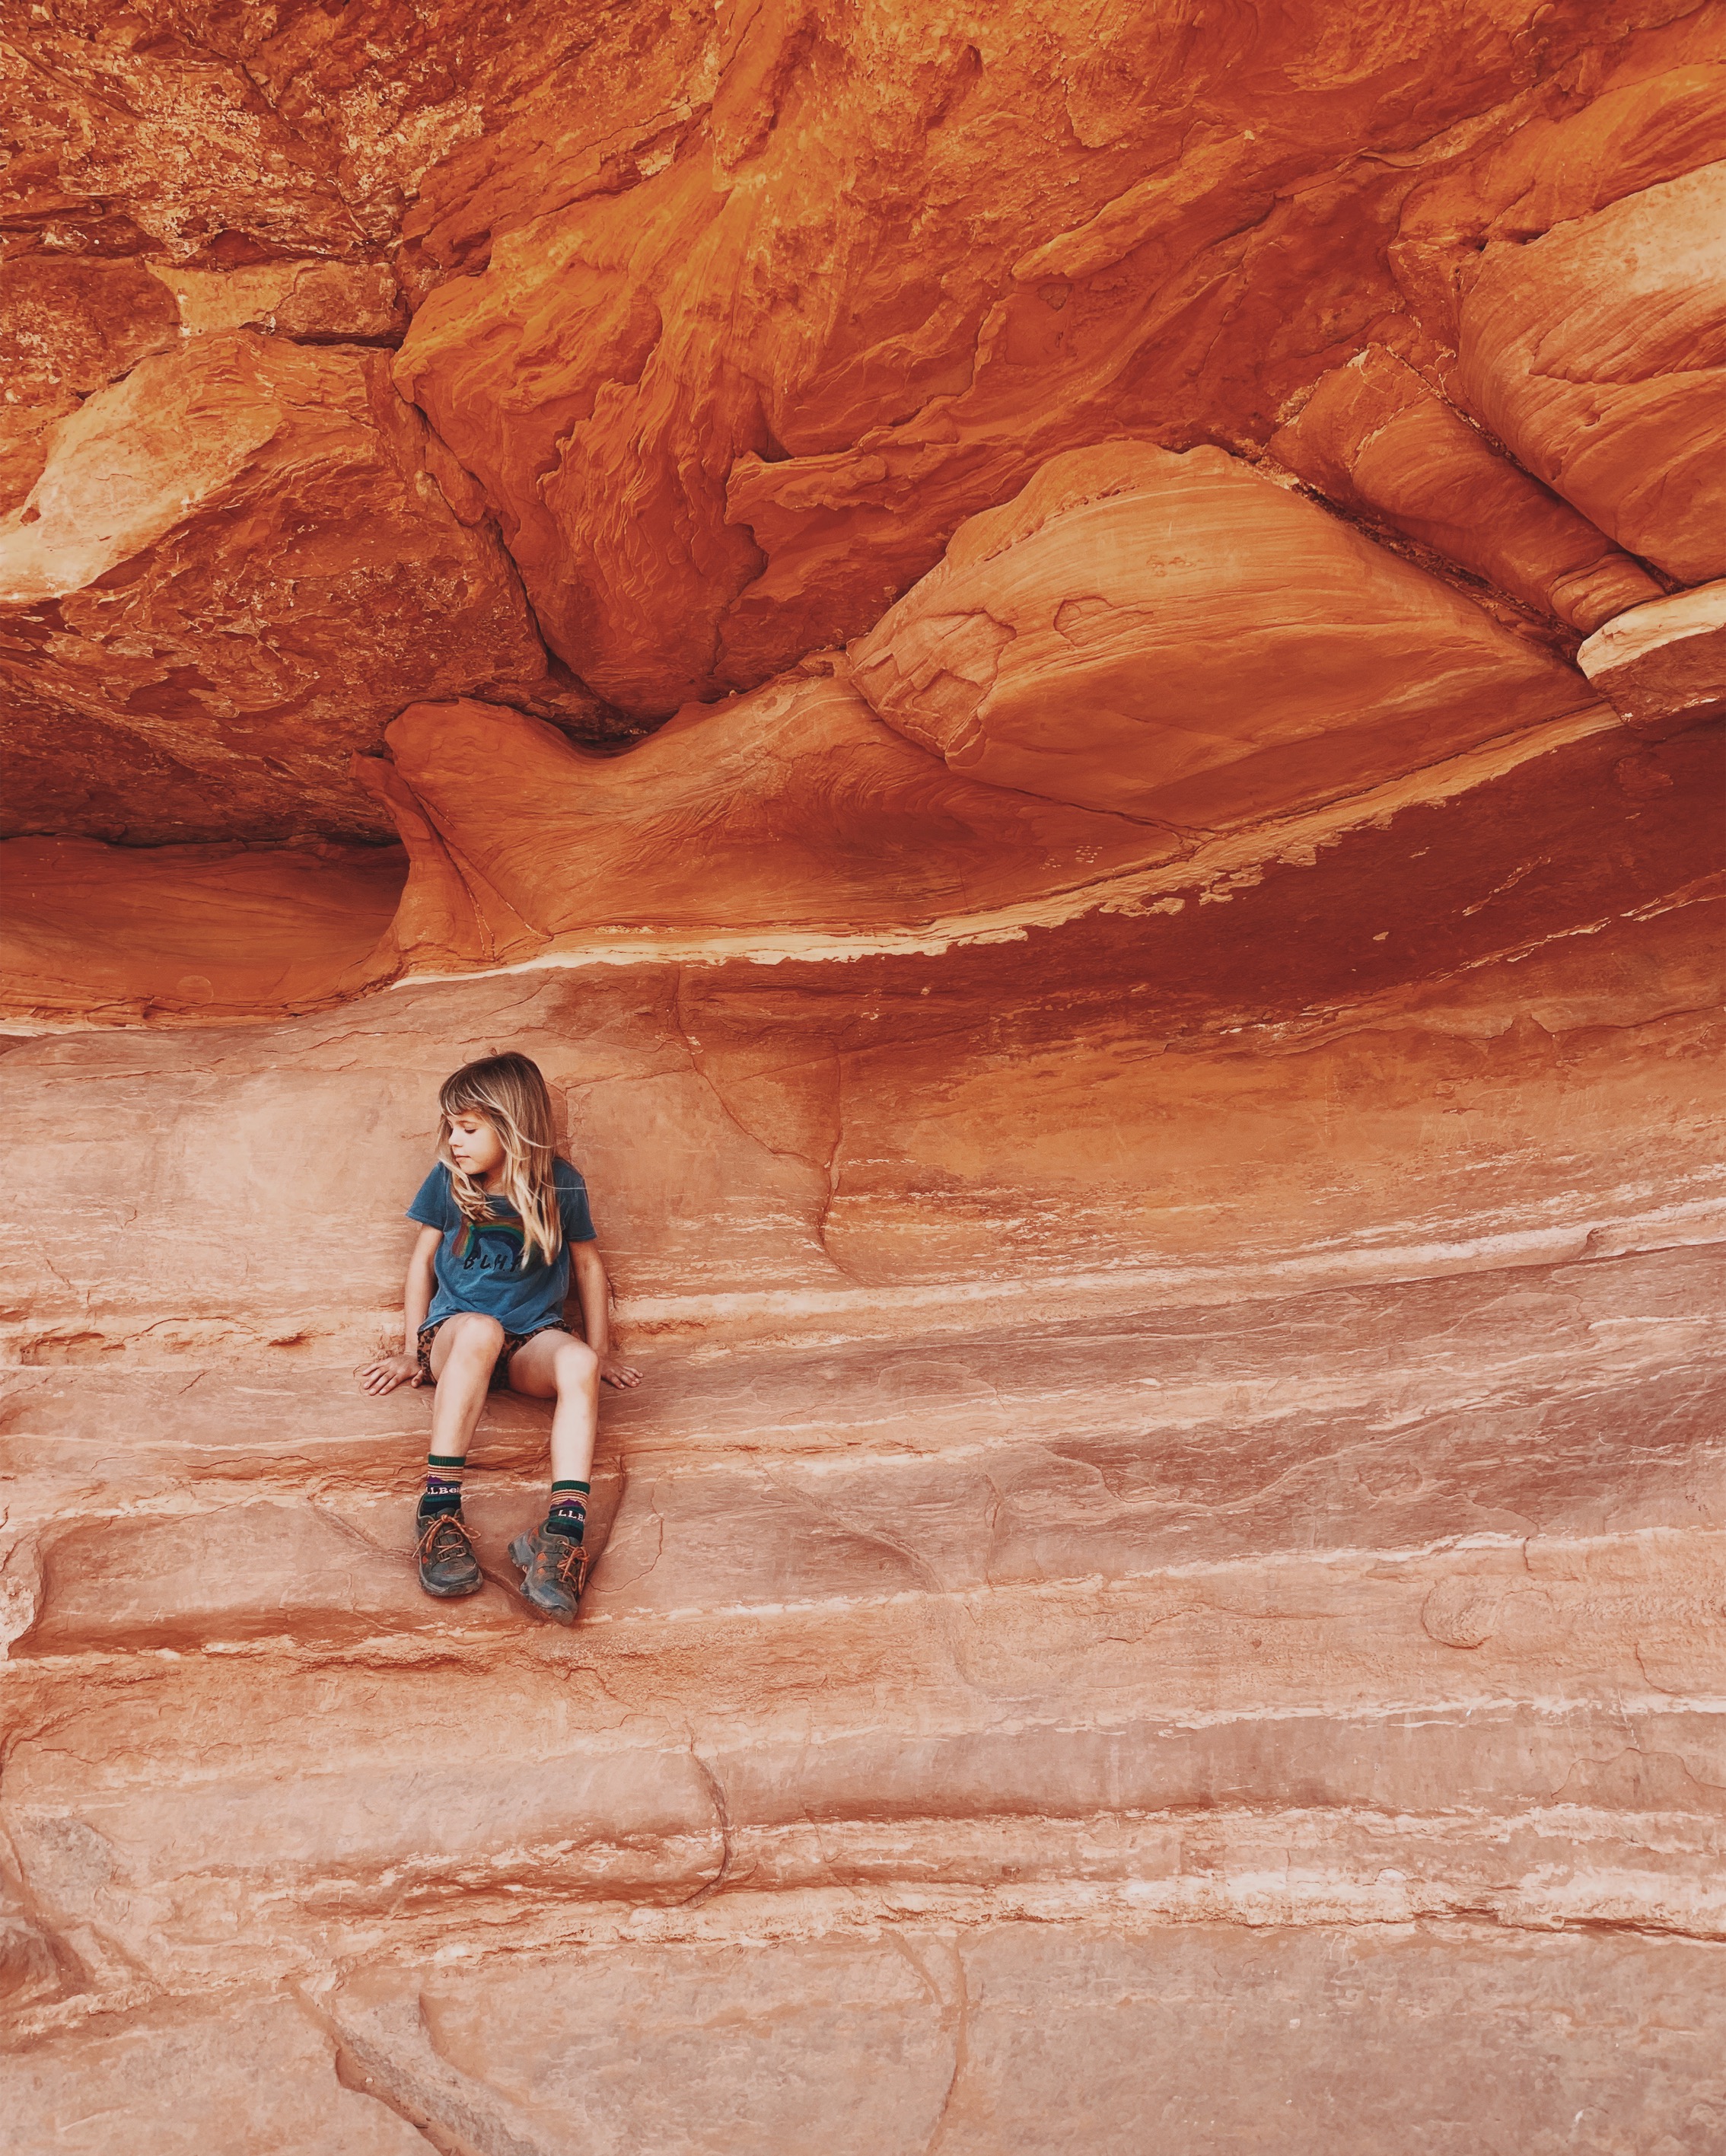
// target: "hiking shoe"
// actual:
[[553, 1571], [447, 1564]]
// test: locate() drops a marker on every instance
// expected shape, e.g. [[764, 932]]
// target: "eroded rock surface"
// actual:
[[106, 936], [1064, 667], [1168, 637], [1374, 438], [234, 564], [1664, 664], [1187, 1435], [1598, 353]]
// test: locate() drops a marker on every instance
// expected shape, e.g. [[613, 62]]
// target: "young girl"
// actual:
[[501, 1217]]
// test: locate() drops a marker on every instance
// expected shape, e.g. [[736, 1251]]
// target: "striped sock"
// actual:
[[442, 1485], [568, 1514]]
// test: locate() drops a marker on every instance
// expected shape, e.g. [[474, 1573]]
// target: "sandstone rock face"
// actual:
[[1664, 664], [1064, 667], [233, 564], [1598, 354], [1174, 638], [791, 813], [1219, 1509], [711, 389], [110, 936], [67, 328], [1373, 438]]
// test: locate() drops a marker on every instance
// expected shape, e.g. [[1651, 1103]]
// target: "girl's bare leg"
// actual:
[[557, 1366], [464, 1354]]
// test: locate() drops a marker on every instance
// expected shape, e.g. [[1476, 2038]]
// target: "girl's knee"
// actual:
[[575, 1363], [473, 1333]]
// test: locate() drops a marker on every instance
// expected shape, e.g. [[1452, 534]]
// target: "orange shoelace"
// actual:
[[428, 1548], [574, 1558]]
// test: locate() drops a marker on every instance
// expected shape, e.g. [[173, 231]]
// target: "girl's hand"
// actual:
[[612, 1372], [386, 1371]]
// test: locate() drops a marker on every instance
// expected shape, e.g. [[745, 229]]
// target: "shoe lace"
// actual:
[[573, 1559], [443, 1536]]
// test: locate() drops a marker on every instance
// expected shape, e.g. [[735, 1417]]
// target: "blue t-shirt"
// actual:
[[479, 1262]]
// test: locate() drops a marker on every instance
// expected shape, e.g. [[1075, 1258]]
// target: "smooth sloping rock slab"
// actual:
[[1597, 353], [1176, 638], [1374, 438]]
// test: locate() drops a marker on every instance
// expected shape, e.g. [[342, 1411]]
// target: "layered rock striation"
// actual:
[[1064, 669]]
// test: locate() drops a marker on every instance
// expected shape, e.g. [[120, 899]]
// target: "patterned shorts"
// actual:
[[500, 1368]]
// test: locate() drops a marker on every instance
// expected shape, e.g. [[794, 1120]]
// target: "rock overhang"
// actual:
[[971, 631]]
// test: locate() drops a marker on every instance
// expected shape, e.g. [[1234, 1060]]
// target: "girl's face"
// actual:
[[475, 1146]]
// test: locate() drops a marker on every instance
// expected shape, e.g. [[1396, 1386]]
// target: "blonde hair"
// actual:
[[509, 1091]]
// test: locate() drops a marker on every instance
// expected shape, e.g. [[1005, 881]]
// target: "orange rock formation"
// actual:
[[1065, 665]]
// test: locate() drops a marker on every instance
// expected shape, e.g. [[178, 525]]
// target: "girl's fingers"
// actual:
[[383, 1376]]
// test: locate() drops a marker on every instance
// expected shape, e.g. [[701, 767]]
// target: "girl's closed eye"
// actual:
[[476, 1146]]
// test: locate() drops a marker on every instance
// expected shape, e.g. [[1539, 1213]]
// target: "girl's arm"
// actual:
[[387, 1370], [594, 1291]]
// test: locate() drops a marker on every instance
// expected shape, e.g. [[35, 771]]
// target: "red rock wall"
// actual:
[[1065, 666]]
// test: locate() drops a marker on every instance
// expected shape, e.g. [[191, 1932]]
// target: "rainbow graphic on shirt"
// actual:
[[470, 1245]]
